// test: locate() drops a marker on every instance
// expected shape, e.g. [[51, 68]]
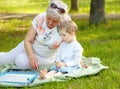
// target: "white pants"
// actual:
[[20, 58]]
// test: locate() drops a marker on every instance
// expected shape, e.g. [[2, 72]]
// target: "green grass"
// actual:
[[102, 41], [39, 6], [11, 32]]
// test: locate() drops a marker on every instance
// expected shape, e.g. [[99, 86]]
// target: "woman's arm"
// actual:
[[29, 39]]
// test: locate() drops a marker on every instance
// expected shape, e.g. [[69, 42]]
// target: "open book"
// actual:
[[24, 78]]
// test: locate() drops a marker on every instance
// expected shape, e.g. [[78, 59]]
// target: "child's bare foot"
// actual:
[[43, 74], [84, 66]]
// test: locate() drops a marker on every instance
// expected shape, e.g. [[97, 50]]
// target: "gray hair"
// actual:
[[53, 14], [59, 3]]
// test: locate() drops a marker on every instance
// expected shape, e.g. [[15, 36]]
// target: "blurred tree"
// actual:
[[74, 5], [97, 13]]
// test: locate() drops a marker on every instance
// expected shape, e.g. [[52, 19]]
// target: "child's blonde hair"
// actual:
[[68, 26]]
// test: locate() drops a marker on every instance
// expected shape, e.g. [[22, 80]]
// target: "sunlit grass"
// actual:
[[12, 32], [24, 6], [7, 25], [112, 6], [39, 6]]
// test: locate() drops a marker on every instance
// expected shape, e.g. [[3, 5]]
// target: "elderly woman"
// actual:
[[42, 40]]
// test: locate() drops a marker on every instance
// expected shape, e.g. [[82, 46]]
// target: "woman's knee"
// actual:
[[22, 61]]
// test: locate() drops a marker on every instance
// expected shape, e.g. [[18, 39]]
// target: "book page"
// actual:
[[21, 78]]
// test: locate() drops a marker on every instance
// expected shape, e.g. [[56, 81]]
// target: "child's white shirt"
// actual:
[[70, 53]]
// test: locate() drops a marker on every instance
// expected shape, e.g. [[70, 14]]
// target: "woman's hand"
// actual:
[[33, 63], [60, 64]]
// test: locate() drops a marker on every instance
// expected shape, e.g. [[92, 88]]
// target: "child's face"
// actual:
[[66, 37]]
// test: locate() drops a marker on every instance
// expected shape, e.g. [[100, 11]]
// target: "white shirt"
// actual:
[[70, 53], [45, 39]]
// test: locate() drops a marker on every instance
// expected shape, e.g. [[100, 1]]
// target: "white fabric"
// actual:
[[46, 38], [10, 56], [70, 53], [43, 48]]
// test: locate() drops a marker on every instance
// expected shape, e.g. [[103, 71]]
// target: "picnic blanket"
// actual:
[[93, 63]]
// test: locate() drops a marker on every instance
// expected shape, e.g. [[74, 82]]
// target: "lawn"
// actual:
[[102, 41], [38, 6]]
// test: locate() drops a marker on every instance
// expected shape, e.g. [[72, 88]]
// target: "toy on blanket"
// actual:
[[18, 76]]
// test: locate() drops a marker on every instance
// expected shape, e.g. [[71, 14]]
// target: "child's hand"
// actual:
[[60, 64]]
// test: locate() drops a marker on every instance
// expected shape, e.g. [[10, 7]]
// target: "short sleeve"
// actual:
[[36, 21]]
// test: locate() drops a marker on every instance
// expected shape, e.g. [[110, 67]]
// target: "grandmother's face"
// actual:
[[51, 22]]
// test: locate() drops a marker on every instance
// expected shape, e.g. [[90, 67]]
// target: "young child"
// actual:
[[69, 53]]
